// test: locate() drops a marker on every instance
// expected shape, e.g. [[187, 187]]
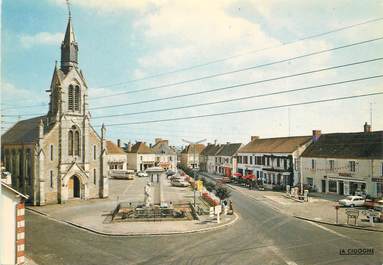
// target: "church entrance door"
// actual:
[[74, 187]]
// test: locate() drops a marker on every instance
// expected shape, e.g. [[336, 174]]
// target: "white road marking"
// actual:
[[327, 229], [279, 254]]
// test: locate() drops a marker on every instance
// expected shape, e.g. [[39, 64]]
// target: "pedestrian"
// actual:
[[231, 207]]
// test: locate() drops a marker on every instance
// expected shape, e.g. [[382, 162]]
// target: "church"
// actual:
[[59, 156]]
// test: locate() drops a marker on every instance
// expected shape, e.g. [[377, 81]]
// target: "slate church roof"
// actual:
[[367, 145], [24, 132]]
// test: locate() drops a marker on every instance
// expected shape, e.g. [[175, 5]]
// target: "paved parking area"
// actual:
[[91, 214]]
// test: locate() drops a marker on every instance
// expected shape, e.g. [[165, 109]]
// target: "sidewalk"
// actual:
[[90, 214], [320, 208], [28, 261]]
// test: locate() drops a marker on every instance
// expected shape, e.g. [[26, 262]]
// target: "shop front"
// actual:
[[344, 186]]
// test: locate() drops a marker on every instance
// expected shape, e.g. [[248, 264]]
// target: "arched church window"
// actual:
[[70, 143], [70, 98], [77, 98], [76, 143]]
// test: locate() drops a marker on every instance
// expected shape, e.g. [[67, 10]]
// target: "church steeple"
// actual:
[[69, 48]]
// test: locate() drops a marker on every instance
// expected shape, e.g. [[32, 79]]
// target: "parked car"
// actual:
[[352, 201], [122, 174], [379, 208], [142, 174], [180, 183]]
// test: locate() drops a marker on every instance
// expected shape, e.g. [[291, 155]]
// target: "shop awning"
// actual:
[[250, 177]]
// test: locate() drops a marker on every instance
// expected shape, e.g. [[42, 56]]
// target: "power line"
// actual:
[[243, 111], [224, 88], [245, 53], [238, 99], [238, 70], [220, 74], [238, 85]]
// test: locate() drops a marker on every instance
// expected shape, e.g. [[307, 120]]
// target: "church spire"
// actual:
[[69, 47]]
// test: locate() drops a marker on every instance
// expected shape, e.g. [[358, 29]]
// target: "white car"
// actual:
[[142, 174], [352, 201]]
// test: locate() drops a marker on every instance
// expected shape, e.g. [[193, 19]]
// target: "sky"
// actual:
[[138, 44]]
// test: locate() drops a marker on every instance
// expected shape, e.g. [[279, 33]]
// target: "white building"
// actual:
[[12, 229], [190, 155], [207, 157], [226, 159], [344, 163], [116, 158], [140, 156], [165, 156], [273, 160]]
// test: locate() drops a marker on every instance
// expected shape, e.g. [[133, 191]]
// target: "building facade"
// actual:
[[190, 155], [59, 156], [345, 163], [12, 230], [226, 159], [140, 156], [117, 159], [207, 157], [165, 156], [275, 161]]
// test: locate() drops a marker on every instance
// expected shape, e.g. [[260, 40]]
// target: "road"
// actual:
[[261, 236]]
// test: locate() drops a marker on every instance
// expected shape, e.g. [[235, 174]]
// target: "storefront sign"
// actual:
[[345, 174]]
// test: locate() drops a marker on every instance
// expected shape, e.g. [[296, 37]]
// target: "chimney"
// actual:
[[157, 140], [215, 142], [129, 147], [118, 142], [254, 138], [316, 135], [367, 128]]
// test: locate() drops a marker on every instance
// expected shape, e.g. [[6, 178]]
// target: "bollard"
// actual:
[[336, 210]]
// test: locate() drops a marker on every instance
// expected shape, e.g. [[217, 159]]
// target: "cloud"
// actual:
[[41, 38], [102, 6]]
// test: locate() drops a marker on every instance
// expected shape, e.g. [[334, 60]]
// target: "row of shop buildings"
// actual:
[[140, 156], [339, 163]]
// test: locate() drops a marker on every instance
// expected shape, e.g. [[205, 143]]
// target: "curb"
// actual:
[[339, 225], [207, 229]]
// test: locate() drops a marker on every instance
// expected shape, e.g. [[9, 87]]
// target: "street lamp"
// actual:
[[194, 144]]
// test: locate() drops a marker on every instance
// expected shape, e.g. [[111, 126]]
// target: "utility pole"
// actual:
[[194, 164]]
